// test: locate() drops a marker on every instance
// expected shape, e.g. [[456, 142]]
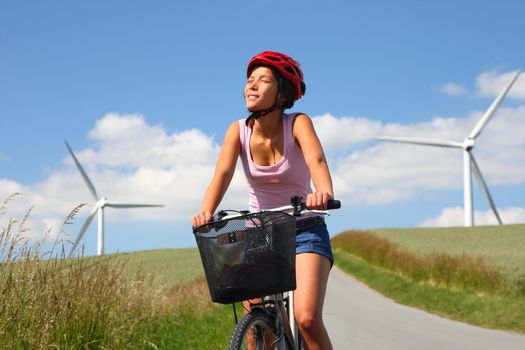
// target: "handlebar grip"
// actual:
[[333, 204]]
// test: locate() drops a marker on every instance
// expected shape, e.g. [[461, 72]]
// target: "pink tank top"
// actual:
[[272, 186]]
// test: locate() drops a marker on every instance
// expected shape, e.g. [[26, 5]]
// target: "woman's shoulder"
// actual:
[[297, 114], [233, 129], [300, 117]]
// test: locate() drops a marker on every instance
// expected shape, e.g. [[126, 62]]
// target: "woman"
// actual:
[[280, 154]]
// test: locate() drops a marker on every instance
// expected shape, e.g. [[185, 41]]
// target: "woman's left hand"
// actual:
[[318, 200]]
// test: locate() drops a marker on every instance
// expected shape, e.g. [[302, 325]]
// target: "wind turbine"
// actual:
[[100, 204], [469, 163]]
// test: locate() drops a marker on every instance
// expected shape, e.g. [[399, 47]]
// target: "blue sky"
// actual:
[[144, 91]]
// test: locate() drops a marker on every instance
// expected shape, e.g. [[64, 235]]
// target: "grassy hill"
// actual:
[[159, 298], [475, 275], [171, 266], [502, 246]]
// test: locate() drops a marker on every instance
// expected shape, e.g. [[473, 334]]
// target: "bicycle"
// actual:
[[250, 256]]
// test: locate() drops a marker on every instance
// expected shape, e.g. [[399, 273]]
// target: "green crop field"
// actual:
[[475, 275], [171, 266], [159, 298], [502, 246]]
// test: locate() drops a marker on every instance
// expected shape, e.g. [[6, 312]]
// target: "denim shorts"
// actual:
[[314, 239]]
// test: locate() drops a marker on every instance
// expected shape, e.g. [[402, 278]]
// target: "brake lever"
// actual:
[[219, 215]]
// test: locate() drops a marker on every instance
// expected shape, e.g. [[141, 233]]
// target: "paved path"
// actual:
[[358, 318]]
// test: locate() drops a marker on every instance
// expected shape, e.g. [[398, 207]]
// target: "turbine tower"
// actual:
[[100, 204], [469, 163]]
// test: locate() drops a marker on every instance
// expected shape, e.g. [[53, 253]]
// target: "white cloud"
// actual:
[[453, 89], [454, 217], [491, 84], [8, 187], [340, 133], [129, 141], [133, 161], [385, 172]]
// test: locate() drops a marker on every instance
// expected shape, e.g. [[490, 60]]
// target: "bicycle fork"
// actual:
[[288, 324], [292, 325]]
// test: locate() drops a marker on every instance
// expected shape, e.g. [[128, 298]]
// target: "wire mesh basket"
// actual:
[[249, 256]]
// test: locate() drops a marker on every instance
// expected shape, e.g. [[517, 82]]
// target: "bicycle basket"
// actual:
[[248, 256]]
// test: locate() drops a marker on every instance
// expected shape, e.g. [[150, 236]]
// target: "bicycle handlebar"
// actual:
[[296, 208], [334, 204]]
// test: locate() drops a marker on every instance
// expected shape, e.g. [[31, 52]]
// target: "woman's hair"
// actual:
[[286, 88]]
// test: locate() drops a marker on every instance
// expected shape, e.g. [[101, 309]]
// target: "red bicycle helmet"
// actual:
[[288, 67]]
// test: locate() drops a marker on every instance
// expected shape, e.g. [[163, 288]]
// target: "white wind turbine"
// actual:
[[469, 163], [100, 204]]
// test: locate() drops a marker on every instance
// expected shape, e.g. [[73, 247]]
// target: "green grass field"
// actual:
[[475, 275], [502, 246], [159, 299], [171, 266], [498, 246]]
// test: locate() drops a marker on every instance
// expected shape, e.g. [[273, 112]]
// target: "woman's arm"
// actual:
[[224, 170], [304, 134]]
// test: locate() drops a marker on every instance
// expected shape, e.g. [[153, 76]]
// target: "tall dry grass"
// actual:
[[49, 302], [460, 272]]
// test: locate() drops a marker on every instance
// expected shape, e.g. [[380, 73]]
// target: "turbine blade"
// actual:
[[483, 187], [416, 141], [122, 205], [83, 229], [83, 173], [490, 112]]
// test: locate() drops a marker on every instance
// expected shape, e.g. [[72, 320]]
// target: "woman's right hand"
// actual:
[[201, 218]]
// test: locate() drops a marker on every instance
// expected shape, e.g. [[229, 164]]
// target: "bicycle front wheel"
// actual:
[[255, 331]]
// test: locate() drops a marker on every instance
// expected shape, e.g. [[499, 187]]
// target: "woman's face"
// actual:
[[261, 89]]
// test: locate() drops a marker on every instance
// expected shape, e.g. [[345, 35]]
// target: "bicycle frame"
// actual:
[[283, 316], [291, 320]]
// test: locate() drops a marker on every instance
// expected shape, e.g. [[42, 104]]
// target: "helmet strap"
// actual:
[[257, 114]]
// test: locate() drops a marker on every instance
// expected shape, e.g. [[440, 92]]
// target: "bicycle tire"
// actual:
[[259, 323]]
